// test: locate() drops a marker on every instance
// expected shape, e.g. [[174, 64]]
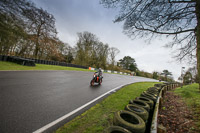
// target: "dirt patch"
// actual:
[[175, 115]]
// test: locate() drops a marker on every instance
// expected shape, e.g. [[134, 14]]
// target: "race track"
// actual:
[[31, 99]]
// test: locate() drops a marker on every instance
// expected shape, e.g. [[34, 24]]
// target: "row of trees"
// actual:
[[129, 63], [89, 51], [189, 76], [165, 75], [28, 31]]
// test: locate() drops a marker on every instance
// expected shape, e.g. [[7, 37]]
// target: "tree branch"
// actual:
[[183, 1], [167, 33]]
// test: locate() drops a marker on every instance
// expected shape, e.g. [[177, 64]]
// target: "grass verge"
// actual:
[[191, 94], [13, 66], [9, 66], [100, 116]]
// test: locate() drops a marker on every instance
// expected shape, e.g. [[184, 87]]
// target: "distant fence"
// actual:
[[31, 62], [58, 63], [110, 71]]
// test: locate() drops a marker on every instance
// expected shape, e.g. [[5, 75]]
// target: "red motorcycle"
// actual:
[[96, 79]]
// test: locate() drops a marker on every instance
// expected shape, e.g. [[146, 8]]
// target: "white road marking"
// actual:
[[74, 111]]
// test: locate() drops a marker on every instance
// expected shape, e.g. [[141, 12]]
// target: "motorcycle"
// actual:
[[96, 79]]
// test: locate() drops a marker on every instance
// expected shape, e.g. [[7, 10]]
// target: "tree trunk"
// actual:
[[36, 49], [198, 38], [37, 41]]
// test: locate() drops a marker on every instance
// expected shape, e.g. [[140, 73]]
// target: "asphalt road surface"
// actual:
[[31, 99]]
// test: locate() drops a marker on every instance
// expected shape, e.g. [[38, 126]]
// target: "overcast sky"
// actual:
[[74, 16]]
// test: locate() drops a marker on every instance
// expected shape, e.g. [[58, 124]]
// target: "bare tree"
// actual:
[[85, 48], [179, 19], [113, 52], [26, 30], [12, 26], [90, 51], [41, 26], [102, 52]]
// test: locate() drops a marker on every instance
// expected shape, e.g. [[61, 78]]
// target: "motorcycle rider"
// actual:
[[97, 77], [99, 73]]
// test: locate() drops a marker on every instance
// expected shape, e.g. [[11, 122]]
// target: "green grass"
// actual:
[[191, 94], [100, 116], [13, 66], [9, 66]]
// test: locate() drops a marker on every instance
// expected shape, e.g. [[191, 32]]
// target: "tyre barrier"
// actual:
[[147, 100], [138, 110], [31, 62], [154, 89], [141, 104], [1, 57], [116, 129], [129, 121], [147, 95], [18, 60], [140, 115], [151, 93], [154, 92]]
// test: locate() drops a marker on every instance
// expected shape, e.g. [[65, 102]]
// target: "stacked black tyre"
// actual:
[[116, 129], [18, 60], [129, 121], [140, 111], [137, 115]]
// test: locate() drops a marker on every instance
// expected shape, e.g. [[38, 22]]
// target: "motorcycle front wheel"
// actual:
[[100, 81], [92, 82]]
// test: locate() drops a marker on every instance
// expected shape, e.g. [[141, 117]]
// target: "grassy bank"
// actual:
[[191, 94], [13, 66], [9, 66], [100, 116]]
